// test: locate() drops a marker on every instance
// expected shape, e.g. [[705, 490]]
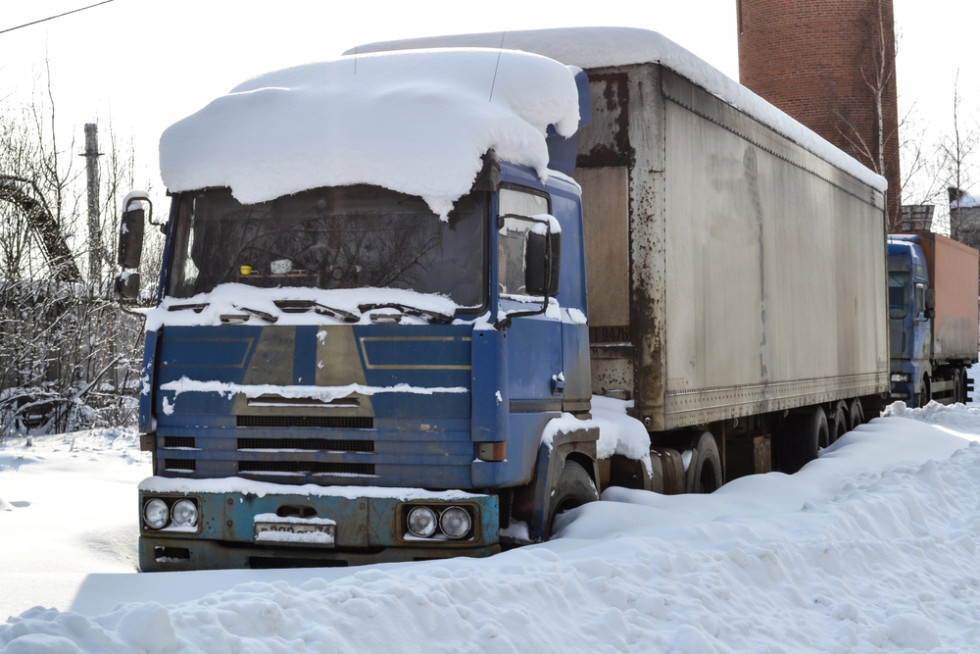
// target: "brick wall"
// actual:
[[814, 59]]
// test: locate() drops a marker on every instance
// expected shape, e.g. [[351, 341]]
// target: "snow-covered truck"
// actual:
[[385, 331], [933, 312]]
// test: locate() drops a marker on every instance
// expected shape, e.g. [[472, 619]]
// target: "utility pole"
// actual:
[[92, 155]]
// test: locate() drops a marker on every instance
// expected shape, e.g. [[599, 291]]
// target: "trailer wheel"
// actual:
[[704, 474], [855, 415], [796, 444], [836, 423], [574, 488]]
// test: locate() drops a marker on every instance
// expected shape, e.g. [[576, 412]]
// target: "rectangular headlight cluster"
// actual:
[[438, 521], [170, 513]]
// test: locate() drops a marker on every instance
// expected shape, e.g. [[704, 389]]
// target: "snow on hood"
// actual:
[[417, 122], [598, 47]]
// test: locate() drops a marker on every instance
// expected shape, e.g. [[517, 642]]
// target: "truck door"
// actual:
[[534, 336]]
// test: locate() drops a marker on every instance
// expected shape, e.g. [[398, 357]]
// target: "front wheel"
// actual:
[[574, 488], [925, 394]]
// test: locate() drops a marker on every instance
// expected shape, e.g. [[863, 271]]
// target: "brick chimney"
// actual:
[[822, 62]]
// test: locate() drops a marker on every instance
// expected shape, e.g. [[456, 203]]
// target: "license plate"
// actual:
[[295, 533]]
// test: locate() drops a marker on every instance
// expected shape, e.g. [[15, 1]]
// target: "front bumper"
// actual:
[[259, 527]]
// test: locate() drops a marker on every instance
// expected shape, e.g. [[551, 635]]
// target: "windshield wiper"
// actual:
[[264, 315], [299, 306], [438, 316]]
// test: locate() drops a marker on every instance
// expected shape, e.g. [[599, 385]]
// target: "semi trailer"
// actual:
[[418, 302]]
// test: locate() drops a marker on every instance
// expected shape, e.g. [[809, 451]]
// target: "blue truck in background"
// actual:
[[932, 311], [298, 416]]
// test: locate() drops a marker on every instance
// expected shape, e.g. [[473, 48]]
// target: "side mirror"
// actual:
[[130, 249], [131, 238], [542, 263], [128, 286], [930, 303]]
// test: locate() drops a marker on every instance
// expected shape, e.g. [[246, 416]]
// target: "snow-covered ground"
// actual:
[[873, 547]]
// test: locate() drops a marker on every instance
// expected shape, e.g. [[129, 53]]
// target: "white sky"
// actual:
[[143, 64]]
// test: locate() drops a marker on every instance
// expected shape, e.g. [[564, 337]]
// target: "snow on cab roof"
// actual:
[[417, 122], [596, 47]]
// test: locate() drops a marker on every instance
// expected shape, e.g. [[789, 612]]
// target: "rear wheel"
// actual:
[[855, 415], [836, 423], [796, 444], [704, 474], [574, 488]]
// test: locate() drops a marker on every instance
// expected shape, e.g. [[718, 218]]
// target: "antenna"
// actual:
[[500, 50]]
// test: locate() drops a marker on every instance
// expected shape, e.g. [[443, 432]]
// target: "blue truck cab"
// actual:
[[340, 376], [933, 317], [909, 325]]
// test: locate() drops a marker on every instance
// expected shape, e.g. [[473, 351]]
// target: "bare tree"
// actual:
[[68, 355], [956, 151], [934, 164], [879, 78]]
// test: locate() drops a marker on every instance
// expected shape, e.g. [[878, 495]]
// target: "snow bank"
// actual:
[[870, 548], [873, 547], [416, 122], [595, 47]]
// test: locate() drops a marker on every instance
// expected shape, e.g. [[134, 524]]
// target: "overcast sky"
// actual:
[[143, 64]]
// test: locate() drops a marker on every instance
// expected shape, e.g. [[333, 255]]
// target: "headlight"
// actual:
[[900, 377], [155, 514], [455, 522], [422, 522], [184, 513]]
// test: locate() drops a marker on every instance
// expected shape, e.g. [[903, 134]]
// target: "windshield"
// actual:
[[898, 294], [331, 238]]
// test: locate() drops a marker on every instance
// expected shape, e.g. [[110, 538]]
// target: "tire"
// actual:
[[704, 474], [957, 387], [574, 488], [925, 395], [836, 423], [797, 443], [855, 415]]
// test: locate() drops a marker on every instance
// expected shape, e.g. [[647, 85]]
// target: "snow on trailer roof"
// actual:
[[417, 122], [596, 47]]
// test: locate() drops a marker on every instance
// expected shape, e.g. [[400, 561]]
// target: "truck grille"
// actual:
[[325, 422], [311, 444], [304, 468]]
